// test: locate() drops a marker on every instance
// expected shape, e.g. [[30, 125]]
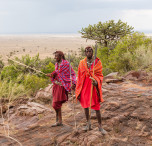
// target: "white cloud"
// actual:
[[71, 16], [139, 19], [3, 13], [115, 0]]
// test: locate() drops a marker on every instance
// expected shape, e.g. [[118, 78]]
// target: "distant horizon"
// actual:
[[40, 33], [58, 33]]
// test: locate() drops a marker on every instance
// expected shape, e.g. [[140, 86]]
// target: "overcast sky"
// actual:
[[69, 16]]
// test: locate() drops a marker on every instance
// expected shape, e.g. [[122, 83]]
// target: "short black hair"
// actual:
[[61, 54], [88, 48]]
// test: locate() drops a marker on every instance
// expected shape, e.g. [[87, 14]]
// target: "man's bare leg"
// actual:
[[98, 114], [88, 126], [57, 115], [58, 118]]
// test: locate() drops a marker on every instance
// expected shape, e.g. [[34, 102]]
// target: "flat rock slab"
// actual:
[[126, 116]]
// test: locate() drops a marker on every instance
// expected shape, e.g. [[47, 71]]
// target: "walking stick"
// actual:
[[72, 93], [92, 77], [26, 66]]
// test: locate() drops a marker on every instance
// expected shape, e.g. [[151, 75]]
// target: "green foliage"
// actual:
[[143, 56], [10, 72], [75, 58], [132, 52], [1, 63], [48, 68], [103, 54], [107, 33], [45, 65], [22, 85], [17, 80], [131, 43], [33, 62], [75, 61], [11, 90], [34, 83], [47, 60]]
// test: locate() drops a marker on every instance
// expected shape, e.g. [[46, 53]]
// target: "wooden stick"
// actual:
[[72, 93], [26, 65], [93, 77], [74, 111], [91, 94]]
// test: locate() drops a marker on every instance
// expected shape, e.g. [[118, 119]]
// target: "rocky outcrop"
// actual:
[[32, 109], [136, 75], [113, 78], [126, 116], [45, 95]]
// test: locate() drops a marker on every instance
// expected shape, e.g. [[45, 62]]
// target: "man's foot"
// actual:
[[87, 127], [103, 132], [56, 124]]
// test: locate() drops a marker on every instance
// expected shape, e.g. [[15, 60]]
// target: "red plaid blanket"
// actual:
[[62, 74]]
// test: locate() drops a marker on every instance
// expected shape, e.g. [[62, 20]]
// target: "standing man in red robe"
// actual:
[[61, 84], [83, 88]]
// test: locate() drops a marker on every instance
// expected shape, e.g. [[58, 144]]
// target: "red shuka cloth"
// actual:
[[83, 87], [60, 95], [86, 94]]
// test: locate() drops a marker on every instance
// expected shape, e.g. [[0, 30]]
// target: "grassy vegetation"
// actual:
[[132, 52], [18, 81]]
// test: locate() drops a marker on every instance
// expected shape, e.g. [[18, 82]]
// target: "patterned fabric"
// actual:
[[83, 71], [86, 93], [62, 75]]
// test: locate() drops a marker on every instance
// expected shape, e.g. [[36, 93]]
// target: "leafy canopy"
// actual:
[[107, 32]]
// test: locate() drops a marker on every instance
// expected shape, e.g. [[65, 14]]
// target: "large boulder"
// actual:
[[32, 109], [45, 95], [136, 75], [113, 78]]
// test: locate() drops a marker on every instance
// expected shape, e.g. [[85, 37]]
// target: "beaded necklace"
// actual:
[[89, 63]]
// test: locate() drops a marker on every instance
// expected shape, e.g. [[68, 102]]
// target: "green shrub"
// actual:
[[75, 58], [75, 62], [34, 83], [47, 60], [125, 57], [130, 53], [10, 72], [143, 56], [1, 64], [48, 69], [45, 65], [12, 90], [32, 62]]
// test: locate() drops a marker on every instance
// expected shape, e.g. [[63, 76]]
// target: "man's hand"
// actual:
[[94, 82], [52, 75], [58, 83], [78, 97], [49, 75], [73, 86]]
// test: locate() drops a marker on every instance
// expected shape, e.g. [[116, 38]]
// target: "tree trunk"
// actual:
[[105, 43]]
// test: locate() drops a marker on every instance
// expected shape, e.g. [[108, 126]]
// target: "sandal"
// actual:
[[87, 127], [103, 132], [57, 124]]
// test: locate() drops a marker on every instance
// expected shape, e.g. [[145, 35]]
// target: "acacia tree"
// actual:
[[108, 32]]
